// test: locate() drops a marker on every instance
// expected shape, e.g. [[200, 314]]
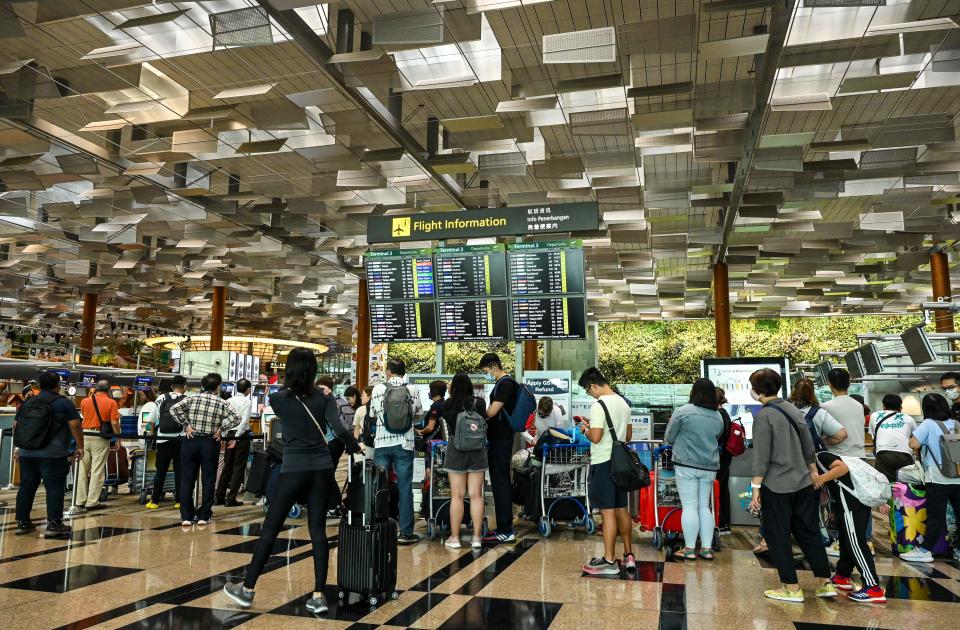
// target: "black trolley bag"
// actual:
[[367, 547]]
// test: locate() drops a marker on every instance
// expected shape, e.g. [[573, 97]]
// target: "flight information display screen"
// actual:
[[474, 320], [401, 278], [545, 272], [549, 318], [471, 271], [403, 321]]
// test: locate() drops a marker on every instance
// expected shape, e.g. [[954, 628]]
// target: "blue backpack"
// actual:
[[525, 405]]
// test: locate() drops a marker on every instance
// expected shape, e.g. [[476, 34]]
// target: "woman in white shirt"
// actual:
[[891, 430]]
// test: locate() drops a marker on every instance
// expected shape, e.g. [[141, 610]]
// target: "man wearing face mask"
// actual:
[[503, 400], [950, 382]]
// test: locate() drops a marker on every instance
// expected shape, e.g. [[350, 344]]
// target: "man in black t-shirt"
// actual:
[[48, 464], [503, 399]]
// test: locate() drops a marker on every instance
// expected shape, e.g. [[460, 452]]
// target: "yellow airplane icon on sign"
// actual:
[[401, 227]]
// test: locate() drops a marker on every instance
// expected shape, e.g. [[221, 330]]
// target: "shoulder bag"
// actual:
[[106, 430], [626, 469]]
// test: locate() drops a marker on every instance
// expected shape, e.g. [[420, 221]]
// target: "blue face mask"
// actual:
[[488, 377]]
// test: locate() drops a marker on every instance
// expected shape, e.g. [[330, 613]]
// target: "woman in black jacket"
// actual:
[[304, 413], [465, 469]]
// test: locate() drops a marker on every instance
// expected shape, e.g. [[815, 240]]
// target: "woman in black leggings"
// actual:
[[304, 413]]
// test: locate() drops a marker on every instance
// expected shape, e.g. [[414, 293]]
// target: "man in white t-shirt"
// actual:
[[891, 430], [604, 495], [848, 412]]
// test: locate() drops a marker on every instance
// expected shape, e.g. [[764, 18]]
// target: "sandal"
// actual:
[[761, 548], [706, 554], [683, 554]]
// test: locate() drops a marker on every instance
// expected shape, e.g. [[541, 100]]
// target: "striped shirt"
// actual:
[[206, 413], [383, 438]]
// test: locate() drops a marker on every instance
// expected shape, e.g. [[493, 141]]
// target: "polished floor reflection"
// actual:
[[126, 567]]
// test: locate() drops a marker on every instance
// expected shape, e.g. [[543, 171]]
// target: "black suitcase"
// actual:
[[367, 545], [259, 474]]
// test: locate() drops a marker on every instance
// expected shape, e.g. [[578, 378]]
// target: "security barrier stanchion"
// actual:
[[10, 485], [73, 494]]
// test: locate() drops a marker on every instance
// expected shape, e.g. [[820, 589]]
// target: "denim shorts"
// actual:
[[604, 495], [465, 461]]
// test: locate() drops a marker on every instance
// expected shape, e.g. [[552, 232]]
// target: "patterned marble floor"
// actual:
[[129, 568]]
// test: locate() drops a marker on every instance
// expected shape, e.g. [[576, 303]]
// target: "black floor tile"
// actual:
[[417, 609], [673, 598], [339, 610], [253, 529], [190, 618], [439, 577], [104, 617], [45, 552], [71, 578], [675, 621], [488, 612], [918, 589], [198, 588], [647, 571], [281, 545], [481, 580]]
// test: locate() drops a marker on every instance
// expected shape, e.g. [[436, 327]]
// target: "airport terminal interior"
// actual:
[[220, 186]]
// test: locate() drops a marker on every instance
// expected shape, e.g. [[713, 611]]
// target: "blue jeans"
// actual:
[[401, 460], [695, 488]]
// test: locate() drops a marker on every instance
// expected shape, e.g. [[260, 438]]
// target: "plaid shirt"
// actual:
[[206, 413]]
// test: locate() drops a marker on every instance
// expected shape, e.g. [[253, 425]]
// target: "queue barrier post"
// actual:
[[10, 485]]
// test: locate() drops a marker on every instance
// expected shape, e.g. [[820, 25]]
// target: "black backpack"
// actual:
[[167, 424], [36, 422]]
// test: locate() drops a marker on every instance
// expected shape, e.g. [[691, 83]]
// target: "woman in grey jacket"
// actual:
[[693, 432]]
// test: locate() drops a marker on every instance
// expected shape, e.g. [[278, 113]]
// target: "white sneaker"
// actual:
[[917, 555], [186, 524], [834, 550], [201, 523], [452, 543], [476, 543]]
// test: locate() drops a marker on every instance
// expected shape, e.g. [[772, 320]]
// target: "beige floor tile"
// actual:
[[10, 597], [442, 611], [133, 617], [709, 622], [578, 617], [586, 591], [270, 595], [285, 622]]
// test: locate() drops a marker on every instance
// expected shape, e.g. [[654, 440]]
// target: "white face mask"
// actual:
[[754, 395], [951, 394]]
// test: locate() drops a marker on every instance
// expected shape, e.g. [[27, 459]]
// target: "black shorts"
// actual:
[[603, 494]]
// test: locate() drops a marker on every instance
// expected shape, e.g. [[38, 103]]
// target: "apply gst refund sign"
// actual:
[[506, 221]]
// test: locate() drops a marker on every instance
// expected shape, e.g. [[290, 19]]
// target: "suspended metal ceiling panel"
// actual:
[[416, 27], [597, 45]]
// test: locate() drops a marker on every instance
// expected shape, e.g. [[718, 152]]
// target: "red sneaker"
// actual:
[[842, 583], [872, 595]]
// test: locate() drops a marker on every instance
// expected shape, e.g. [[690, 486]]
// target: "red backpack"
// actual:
[[736, 439]]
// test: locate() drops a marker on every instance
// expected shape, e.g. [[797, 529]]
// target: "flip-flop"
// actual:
[[681, 554], [707, 554]]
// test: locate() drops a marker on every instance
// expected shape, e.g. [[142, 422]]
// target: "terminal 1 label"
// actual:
[[506, 221]]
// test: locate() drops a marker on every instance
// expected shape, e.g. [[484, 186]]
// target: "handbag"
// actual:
[[913, 473], [106, 430], [626, 469]]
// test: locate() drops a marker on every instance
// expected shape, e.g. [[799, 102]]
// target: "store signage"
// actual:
[[506, 221], [142, 383]]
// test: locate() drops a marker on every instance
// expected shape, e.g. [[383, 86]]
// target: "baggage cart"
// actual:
[[144, 470], [438, 497], [563, 482], [666, 509]]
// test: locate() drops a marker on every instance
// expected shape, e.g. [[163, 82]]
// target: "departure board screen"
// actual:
[[549, 318], [402, 278], [474, 320], [471, 272], [403, 321], [544, 272]]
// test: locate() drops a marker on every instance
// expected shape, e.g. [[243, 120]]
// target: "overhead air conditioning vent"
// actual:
[[415, 27], [598, 45], [801, 103], [241, 27]]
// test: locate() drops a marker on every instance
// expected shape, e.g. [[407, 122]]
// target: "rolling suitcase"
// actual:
[[259, 474], [367, 547]]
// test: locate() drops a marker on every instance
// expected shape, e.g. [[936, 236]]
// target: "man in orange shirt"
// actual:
[[99, 410]]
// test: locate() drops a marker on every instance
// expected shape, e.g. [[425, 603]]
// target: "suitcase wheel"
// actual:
[[544, 528], [373, 601], [143, 497], [431, 529], [295, 511], [395, 595], [589, 526], [658, 537], [342, 595]]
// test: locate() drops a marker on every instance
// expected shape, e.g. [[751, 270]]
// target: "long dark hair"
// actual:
[[301, 372], [461, 391], [704, 394], [935, 407]]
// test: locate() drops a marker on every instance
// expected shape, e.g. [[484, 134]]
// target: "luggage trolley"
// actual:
[[438, 521], [563, 480], [667, 509], [143, 469]]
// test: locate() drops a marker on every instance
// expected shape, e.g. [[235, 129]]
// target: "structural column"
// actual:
[[530, 356], [89, 327], [721, 308], [217, 316], [363, 336], [940, 278]]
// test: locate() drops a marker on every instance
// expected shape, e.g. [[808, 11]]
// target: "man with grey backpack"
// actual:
[[395, 407]]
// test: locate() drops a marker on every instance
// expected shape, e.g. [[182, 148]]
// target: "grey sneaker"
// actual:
[[317, 604], [408, 539], [56, 529], [239, 594]]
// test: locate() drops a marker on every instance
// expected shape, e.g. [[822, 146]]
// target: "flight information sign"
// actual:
[[403, 321], [549, 318], [400, 275], [474, 320], [471, 271], [545, 268]]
